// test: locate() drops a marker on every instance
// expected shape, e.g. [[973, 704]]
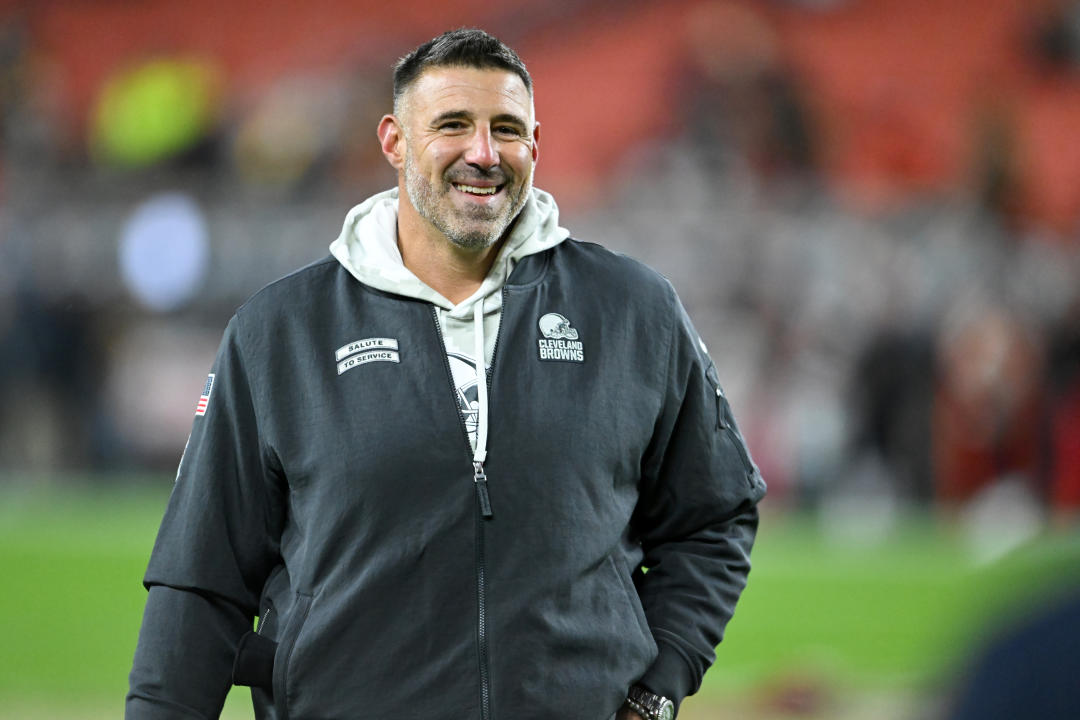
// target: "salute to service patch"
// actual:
[[362, 352], [204, 399]]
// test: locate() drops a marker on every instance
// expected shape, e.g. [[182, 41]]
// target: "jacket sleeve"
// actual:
[[219, 539], [696, 518]]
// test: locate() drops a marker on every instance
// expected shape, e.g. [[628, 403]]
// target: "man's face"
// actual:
[[470, 149]]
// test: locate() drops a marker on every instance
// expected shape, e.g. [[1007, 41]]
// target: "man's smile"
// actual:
[[477, 190]]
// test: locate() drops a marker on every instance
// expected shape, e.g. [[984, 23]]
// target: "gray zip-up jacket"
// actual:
[[329, 488]]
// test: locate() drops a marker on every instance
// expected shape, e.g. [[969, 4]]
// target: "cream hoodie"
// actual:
[[367, 248]]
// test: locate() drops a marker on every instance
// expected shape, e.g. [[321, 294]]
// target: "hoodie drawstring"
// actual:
[[480, 451]]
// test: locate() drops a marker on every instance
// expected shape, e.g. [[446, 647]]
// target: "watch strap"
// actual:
[[649, 705]]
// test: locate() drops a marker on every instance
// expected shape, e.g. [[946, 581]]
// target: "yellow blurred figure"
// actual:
[[154, 111]]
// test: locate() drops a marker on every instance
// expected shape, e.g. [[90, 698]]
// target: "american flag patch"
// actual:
[[204, 399]]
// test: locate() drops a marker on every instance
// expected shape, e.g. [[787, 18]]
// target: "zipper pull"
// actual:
[[480, 480], [721, 424], [714, 382]]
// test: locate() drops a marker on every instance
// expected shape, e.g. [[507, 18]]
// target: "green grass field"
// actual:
[[823, 627]]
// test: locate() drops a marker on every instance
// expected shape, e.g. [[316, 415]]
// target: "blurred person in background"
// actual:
[[987, 404], [39, 337], [436, 463], [1064, 416]]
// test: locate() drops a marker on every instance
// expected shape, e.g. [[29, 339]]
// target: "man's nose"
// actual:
[[482, 151]]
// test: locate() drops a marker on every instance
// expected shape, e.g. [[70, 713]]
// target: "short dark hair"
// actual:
[[464, 47]]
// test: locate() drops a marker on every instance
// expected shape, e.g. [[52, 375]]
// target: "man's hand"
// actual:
[[625, 713]]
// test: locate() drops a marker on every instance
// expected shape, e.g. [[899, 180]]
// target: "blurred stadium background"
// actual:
[[871, 209]]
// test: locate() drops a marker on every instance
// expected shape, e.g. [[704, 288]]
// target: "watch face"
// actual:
[[667, 711]]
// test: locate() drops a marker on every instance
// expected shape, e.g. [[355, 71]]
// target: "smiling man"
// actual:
[[436, 463], [469, 147], [464, 141]]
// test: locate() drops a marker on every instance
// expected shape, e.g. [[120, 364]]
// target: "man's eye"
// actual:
[[508, 131], [453, 125]]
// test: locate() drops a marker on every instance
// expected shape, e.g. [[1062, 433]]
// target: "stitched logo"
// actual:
[[368, 350], [560, 341]]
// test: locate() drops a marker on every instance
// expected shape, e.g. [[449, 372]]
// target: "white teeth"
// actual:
[[476, 190]]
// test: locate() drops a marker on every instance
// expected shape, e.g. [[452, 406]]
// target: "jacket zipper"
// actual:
[[262, 621], [481, 624], [482, 496], [723, 424], [484, 513], [479, 476]]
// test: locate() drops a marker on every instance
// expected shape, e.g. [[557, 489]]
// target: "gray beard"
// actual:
[[423, 198]]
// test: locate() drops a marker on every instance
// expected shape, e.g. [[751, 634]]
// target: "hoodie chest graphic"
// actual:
[[368, 350]]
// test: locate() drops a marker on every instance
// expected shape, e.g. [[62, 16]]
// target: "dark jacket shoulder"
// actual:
[[604, 268], [297, 285]]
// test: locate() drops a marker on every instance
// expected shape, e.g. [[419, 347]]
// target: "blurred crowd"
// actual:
[[893, 320]]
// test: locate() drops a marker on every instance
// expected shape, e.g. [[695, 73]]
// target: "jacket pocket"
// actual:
[[630, 594], [275, 589], [285, 647], [725, 424]]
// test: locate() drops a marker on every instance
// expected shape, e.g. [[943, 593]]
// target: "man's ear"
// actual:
[[392, 141], [536, 142]]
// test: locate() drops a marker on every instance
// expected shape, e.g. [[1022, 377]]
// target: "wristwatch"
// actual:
[[650, 705]]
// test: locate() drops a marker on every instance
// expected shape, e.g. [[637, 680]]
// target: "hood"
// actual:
[[367, 248]]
